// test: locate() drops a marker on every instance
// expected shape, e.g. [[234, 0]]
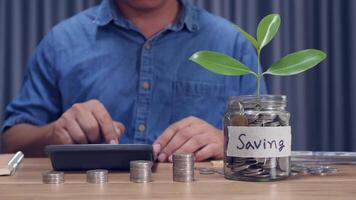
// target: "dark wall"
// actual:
[[321, 101]]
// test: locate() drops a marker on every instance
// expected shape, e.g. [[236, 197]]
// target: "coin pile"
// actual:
[[260, 168], [209, 171], [319, 170], [265, 118], [53, 177], [183, 167], [140, 171], [97, 176]]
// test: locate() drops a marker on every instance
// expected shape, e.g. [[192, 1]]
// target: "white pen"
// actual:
[[15, 161]]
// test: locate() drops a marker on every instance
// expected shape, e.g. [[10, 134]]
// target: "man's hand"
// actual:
[[85, 123], [190, 135]]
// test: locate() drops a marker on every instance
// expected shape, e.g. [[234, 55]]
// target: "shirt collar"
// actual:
[[107, 12]]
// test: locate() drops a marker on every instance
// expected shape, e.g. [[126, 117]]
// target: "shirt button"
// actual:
[[141, 128], [146, 85], [148, 46]]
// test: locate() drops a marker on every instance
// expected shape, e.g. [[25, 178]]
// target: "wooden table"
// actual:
[[27, 184]]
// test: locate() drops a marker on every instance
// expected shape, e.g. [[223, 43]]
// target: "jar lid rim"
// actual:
[[263, 98]]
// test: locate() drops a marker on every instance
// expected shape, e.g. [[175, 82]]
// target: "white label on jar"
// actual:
[[259, 142]]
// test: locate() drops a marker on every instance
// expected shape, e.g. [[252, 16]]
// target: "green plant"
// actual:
[[291, 64]]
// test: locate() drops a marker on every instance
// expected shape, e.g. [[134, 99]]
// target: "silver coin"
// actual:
[[261, 160], [317, 172], [283, 118], [252, 170], [251, 117], [270, 163], [219, 171], [294, 174], [249, 159], [206, 171], [331, 170], [256, 123], [235, 164], [252, 173], [282, 173], [299, 168], [321, 170], [262, 175], [273, 124], [251, 162], [284, 163], [267, 117], [238, 169]]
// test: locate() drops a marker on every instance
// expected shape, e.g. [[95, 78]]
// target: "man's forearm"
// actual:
[[28, 138]]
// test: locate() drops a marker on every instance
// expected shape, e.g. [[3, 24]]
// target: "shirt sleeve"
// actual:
[[39, 100], [247, 55]]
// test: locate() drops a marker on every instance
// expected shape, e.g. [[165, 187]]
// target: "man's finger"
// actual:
[[106, 124], [194, 144], [181, 137], [168, 134], [64, 137], [89, 125], [206, 152], [74, 130], [119, 128]]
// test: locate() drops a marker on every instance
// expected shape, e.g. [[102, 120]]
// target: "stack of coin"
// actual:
[[140, 171], [183, 167], [53, 177], [97, 176]]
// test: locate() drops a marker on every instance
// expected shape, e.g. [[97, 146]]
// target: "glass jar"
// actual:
[[257, 138]]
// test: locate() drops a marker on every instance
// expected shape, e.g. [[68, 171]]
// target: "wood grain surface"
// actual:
[[27, 184]]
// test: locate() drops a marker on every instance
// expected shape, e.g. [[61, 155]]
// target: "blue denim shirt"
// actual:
[[147, 83]]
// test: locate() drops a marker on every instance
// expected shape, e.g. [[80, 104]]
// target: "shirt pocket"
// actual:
[[200, 99]]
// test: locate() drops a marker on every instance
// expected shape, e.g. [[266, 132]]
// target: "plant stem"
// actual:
[[258, 73]]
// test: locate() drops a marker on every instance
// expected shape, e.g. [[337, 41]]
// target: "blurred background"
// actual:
[[322, 101]]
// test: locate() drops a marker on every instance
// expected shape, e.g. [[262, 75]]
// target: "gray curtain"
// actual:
[[322, 101]]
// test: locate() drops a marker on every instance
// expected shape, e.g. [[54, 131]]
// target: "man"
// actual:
[[120, 72]]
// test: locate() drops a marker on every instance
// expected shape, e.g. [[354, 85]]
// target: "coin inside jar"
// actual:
[[239, 120]]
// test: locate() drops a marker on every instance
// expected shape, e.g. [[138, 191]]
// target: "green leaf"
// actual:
[[248, 36], [220, 63], [267, 29], [296, 63]]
